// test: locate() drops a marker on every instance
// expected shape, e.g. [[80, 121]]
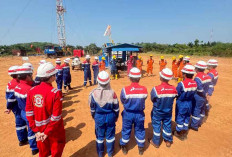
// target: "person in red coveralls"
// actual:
[[44, 113], [129, 65]]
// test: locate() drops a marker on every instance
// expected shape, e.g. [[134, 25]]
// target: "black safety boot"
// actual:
[[124, 149], [36, 151], [141, 150], [23, 142]]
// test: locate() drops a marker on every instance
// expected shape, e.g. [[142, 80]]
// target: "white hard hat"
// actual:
[[87, 56], [212, 62], [46, 70], [103, 78], [42, 62], [58, 60], [66, 60], [201, 65], [96, 57], [166, 74], [187, 58], [135, 73], [29, 64], [188, 69], [24, 70], [13, 70]]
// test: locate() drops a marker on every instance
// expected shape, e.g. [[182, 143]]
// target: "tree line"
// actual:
[[196, 47]]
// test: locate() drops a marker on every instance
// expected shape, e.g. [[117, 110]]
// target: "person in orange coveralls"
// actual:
[[44, 113], [174, 66], [139, 64], [162, 63], [102, 65], [181, 65], [150, 63]]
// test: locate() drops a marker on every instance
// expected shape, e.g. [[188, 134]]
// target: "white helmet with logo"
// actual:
[[42, 62], [212, 62], [201, 65], [13, 70], [58, 60], [24, 70], [103, 78], [166, 74], [135, 73], [29, 64], [46, 70], [188, 69], [87, 56]]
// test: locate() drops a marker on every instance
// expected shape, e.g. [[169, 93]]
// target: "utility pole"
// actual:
[[60, 22]]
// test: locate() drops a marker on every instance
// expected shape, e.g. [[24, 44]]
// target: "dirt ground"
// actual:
[[212, 139]]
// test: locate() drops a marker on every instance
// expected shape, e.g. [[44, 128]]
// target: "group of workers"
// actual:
[[37, 106], [192, 96]]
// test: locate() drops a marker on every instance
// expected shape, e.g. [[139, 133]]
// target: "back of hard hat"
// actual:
[[46, 70]]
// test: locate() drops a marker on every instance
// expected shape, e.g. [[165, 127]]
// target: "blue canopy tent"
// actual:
[[125, 51]]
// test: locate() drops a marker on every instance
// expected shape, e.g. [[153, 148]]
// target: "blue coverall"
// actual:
[[113, 64], [21, 95], [59, 77], [66, 76], [214, 78], [133, 99], [186, 90], [87, 72], [162, 97], [12, 104], [105, 118], [95, 67], [203, 81]]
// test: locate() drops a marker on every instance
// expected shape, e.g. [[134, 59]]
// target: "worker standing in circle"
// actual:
[[59, 74], [104, 107], [12, 105], [174, 67], [129, 65], [203, 81], [162, 63], [187, 60], [133, 99], [44, 113], [87, 72], [66, 75], [102, 65], [114, 71], [186, 91], [150, 63], [162, 97], [211, 66], [139, 64], [181, 65], [95, 67], [21, 91]]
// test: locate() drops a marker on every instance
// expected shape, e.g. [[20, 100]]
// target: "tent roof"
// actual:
[[123, 47]]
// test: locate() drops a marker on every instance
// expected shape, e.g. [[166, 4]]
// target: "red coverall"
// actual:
[[43, 110]]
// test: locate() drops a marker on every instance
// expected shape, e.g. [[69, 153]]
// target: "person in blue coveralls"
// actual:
[[66, 74], [133, 99], [104, 108], [162, 97], [95, 67], [87, 72], [59, 74], [211, 66], [12, 105], [186, 91], [200, 98]]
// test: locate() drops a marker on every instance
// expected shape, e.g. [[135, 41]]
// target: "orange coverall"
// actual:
[[162, 64], [139, 64], [150, 66], [174, 68], [181, 66], [102, 65]]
